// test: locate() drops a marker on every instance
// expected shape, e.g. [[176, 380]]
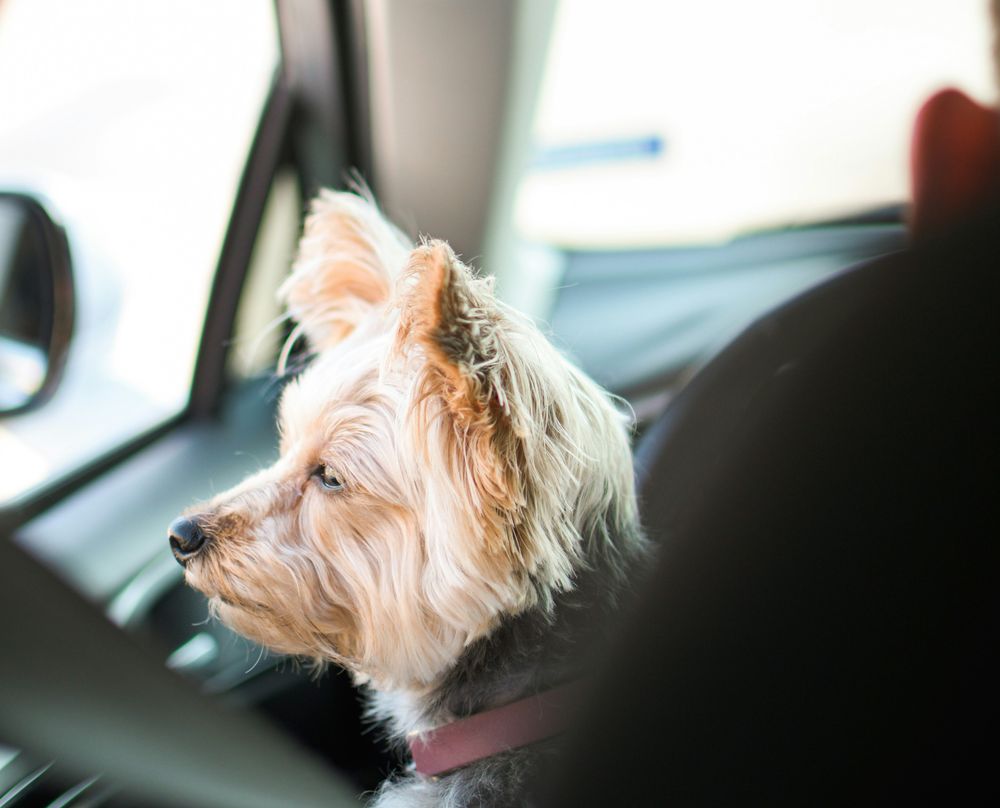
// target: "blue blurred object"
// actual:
[[600, 151]]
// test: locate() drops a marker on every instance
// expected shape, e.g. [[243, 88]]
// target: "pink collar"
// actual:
[[520, 723]]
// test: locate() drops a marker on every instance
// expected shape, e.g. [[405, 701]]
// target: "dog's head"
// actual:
[[441, 465]]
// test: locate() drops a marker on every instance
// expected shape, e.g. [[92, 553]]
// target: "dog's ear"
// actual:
[[347, 259], [455, 319], [465, 362], [494, 419]]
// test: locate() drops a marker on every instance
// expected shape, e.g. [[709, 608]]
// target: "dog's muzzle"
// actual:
[[187, 539]]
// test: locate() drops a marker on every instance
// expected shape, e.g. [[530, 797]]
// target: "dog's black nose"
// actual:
[[186, 539]]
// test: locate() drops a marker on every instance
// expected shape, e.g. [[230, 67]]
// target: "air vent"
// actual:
[[28, 783]]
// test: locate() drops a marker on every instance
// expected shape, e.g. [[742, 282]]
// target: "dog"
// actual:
[[452, 512]]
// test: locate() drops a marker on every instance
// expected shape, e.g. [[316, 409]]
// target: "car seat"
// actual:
[[823, 620]]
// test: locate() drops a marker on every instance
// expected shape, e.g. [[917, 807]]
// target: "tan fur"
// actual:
[[344, 268], [474, 459]]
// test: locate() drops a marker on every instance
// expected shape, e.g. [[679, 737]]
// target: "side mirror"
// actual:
[[36, 303]]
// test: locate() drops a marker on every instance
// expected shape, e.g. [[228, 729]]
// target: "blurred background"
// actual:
[[655, 124], [133, 120], [681, 123]]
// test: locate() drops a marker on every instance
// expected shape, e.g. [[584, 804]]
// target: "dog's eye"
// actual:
[[328, 479]]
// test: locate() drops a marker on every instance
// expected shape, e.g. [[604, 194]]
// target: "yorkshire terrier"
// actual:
[[451, 515]]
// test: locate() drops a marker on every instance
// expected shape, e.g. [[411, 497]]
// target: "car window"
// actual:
[[261, 327], [685, 123], [133, 122], [694, 165]]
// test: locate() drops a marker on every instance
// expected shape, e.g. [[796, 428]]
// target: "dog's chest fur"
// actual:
[[526, 654]]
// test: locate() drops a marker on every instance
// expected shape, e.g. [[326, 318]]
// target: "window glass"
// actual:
[[665, 123], [133, 121], [260, 328]]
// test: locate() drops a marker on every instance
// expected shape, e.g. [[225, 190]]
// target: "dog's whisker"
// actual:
[[260, 656], [207, 619]]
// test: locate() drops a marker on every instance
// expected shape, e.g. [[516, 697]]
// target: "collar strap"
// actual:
[[489, 733]]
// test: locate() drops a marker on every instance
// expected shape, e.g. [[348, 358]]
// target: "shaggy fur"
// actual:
[[483, 519]]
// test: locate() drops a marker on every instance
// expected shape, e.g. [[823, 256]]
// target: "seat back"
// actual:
[[823, 621]]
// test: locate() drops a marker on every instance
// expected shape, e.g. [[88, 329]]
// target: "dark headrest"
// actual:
[[824, 616]]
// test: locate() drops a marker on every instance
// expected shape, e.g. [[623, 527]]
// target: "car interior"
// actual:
[[722, 244]]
